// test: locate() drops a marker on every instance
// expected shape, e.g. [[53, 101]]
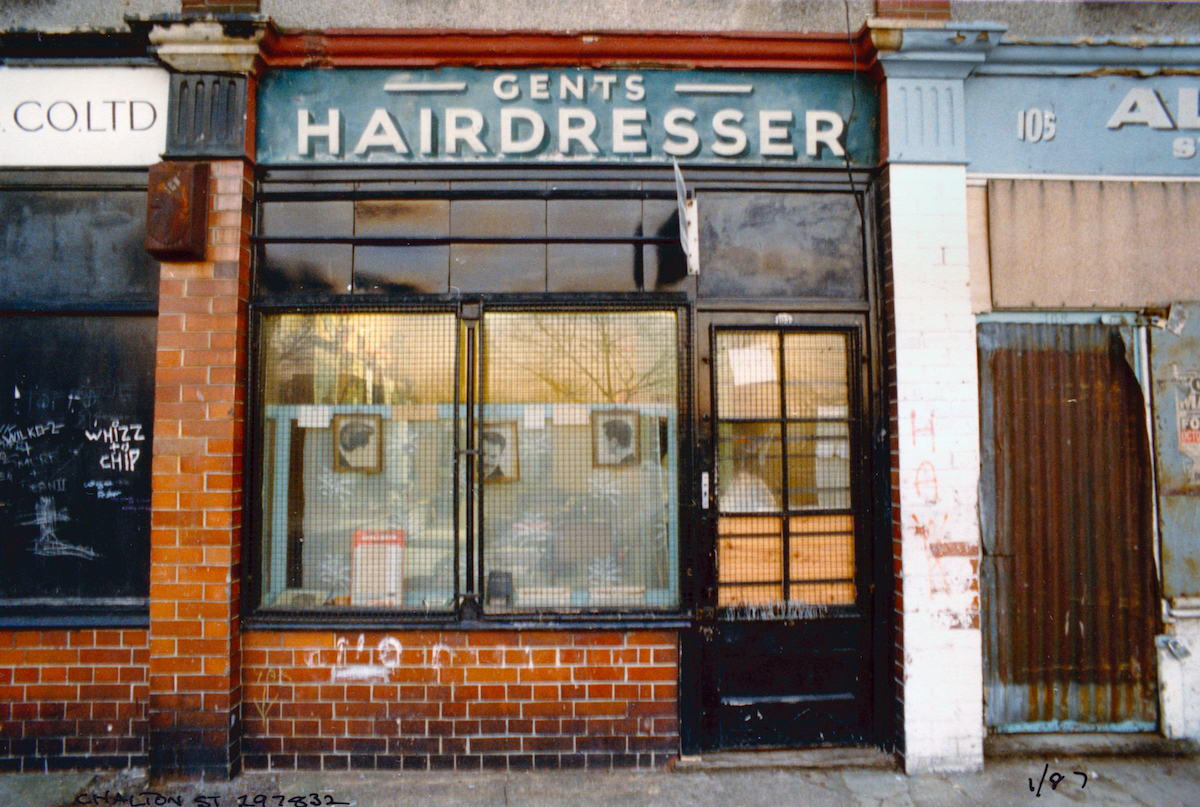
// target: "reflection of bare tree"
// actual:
[[353, 357], [612, 358]]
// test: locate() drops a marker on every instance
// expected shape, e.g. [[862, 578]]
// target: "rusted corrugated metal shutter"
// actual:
[[1070, 585]]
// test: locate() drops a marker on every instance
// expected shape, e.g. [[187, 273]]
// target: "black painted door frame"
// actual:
[[794, 676]]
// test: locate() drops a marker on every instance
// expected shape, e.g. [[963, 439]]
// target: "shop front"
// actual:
[[78, 304], [1085, 350], [562, 414]]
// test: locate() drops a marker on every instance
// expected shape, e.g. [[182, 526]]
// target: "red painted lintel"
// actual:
[[711, 50]]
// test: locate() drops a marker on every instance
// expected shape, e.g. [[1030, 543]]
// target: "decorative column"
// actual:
[[934, 389], [196, 548]]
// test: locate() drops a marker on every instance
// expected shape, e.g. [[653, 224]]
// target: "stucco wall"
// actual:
[[683, 15], [1025, 19], [1038, 19], [70, 15]]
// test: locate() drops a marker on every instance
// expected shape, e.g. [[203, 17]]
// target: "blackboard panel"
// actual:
[[76, 410], [75, 246]]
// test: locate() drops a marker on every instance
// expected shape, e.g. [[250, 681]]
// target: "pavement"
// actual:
[[1156, 781]]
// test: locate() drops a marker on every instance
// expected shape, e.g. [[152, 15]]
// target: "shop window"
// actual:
[[359, 415], [569, 423], [583, 409]]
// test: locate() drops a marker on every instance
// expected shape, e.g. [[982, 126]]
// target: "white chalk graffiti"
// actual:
[[16, 440], [388, 650], [120, 437], [776, 610], [48, 544]]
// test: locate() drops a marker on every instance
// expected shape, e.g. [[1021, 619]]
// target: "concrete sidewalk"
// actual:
[[1151, 781]]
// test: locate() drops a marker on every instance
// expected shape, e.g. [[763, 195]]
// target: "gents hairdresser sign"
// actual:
[[465, 115]]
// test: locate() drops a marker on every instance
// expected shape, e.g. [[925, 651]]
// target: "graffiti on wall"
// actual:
[[952, 563]]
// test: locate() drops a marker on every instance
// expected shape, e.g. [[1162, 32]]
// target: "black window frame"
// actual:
[[535, 182]]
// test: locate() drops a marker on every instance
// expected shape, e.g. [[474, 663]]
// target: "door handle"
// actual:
[[704, 490]]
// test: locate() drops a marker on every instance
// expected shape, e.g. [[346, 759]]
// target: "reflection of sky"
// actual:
[[581, 357]]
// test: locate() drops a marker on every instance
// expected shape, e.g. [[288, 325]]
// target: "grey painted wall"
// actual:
[[1040, 19], [591, 15], [1025, 19], [45, 15]]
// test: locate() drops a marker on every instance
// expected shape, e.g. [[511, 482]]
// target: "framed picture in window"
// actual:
[[358, 443], [616, 438], [499, 459]]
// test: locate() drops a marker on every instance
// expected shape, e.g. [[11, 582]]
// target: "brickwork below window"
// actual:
[[73, 700], [460, 700]]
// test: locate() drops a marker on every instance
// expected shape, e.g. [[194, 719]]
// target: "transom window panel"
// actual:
[[579, 443], [499, 237], [359, 434], [785, 529], [772, 244]]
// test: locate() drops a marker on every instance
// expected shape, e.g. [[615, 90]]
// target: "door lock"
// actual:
[[704, 490]]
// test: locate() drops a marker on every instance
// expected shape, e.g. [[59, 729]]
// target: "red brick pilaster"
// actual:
[[195, 550], [913, 9]]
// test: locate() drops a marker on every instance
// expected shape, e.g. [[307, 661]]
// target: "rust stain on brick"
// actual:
[[954, 549]]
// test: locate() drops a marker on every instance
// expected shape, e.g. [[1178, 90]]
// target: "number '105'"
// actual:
[[1036, 125]]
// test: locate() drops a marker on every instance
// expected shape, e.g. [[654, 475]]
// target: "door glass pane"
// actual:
[[818, 465], [747, 374], [357, 488], [773, 461], [749, 467], [816, 374], [579, 445]]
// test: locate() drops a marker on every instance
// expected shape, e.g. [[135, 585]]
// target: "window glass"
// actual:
[[402, 270], [576, 445], [579, 439], [359, 435], [297, 268], [774, 244], [75, 246], [498, 267], [594, 267], [307, 219]]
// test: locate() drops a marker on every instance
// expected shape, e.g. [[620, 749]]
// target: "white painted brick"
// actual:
[[1179, 683], [938, 439]]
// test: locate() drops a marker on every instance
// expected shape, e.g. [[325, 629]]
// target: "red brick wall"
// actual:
[[460, 700], [196, 521], [219, 6], [889, 313], [73, 699]]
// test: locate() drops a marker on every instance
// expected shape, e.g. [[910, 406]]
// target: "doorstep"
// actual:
[[1086, 744], [798, 758]]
